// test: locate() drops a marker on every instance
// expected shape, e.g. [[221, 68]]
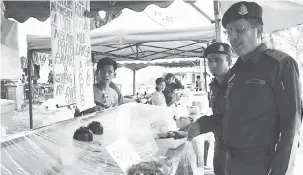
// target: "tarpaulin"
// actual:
[[10, 60], [52, 149]]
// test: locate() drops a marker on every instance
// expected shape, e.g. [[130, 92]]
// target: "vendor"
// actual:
[[158, 97], [198, 84], [172, 84], [104, 96], [50, 77], [23, 79]]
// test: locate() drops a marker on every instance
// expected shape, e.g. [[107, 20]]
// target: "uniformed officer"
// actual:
[[219, 60], [262, 116]]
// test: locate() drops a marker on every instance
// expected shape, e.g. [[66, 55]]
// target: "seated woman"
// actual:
[[172, 84], [104, 96], [158, 97]]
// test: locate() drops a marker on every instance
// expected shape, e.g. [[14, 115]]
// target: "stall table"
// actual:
[[52, 150]]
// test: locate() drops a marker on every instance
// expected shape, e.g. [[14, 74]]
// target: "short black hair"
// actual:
[[169, 75], [198, 76], [106, 61], [159, 80]]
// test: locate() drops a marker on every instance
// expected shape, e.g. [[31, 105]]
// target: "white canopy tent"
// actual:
[[137, 36], [121, 44], [148, 33], [143, 36]]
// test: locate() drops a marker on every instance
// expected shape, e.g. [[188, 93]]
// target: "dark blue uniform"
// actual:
[[263, 106], [262, 110], [217, 103], [213, 123]]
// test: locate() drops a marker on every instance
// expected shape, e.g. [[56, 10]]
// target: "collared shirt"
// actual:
[[158, 99], [262, 102]]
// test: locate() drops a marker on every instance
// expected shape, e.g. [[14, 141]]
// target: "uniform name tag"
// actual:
[[256, 81]]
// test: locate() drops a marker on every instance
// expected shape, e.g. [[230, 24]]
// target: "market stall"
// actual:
[[53, 150], [49, 150]]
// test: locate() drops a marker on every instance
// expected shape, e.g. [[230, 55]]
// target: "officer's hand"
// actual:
[[193, 130], [183, 122]]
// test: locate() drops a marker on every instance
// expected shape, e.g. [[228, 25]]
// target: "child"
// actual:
[[104, 96]]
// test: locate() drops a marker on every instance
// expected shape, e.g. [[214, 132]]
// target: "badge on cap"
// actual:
[[221, 48], [243, 10]]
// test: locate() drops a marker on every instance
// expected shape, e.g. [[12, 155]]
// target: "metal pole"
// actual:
[[134, 71], [134, 82], [217, 21], [93, 63], [29, 69], [205, 83], [200, 11]]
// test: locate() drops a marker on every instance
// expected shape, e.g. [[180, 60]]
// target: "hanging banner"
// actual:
[[62, 39], [84, 75]]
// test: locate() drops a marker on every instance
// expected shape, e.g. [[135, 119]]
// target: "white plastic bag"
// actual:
[[188, 161]]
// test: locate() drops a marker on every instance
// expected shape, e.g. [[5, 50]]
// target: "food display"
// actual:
[[96, 127], [163, 167], [83, 134]]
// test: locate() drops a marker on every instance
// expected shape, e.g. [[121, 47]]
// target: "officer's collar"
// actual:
[[256, 54], [215, 81]]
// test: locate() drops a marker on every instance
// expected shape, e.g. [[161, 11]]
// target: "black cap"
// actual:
[[160, 80], [242, 9], [221, 48]]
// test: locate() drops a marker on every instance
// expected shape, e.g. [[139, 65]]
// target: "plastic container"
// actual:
[[7, 108], [16, 93]]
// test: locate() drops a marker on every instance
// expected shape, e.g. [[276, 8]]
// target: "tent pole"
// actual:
[[200, 11], [205, 80], [29, 69], [217, 21], [134, 82], [134, 71], [93, 63]]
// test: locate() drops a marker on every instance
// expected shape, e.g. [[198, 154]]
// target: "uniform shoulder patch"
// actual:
[[276, 54]]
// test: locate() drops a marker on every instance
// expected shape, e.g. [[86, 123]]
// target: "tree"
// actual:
[[293, 37]]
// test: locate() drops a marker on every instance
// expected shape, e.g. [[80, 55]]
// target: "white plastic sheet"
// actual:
[[52, 149]]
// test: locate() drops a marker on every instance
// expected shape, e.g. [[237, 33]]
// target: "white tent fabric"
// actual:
[[161, 39], [10, 59], [173, 38], [277, 14], [149, 40]]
